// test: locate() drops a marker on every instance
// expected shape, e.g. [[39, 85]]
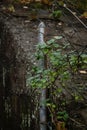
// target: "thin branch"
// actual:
[[75, 16], [78, 123]]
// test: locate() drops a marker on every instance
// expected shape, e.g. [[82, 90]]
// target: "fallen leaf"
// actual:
[[83, 71], [84, 15]]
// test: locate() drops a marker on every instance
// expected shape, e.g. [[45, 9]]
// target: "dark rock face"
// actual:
[[17, 46]]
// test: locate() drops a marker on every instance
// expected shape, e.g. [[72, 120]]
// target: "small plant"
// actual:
[[62, 64], [62, 116], [59, 119], [56, 14]]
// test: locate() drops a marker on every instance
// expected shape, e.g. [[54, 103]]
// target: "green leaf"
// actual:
[[63, 115], [51, 41], [57, 14], [59, 90], [56, 45]]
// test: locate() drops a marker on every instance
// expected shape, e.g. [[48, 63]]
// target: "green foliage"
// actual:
[[57, 14], [60, 115], [63, 116], [61, 64]]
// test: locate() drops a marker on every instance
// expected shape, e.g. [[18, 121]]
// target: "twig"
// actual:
[[76, 121], [75, 16]]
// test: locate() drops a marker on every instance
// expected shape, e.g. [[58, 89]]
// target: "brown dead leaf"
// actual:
[[84, 15]]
